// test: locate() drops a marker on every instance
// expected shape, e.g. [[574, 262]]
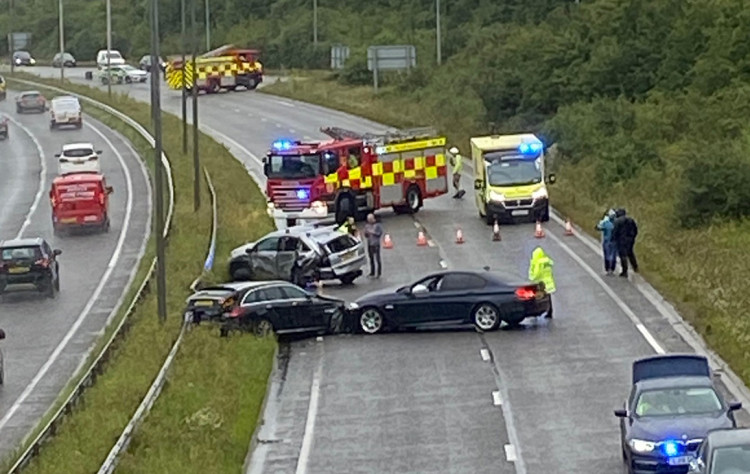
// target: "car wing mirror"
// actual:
[[2, 334], [57, 155], [98, 152], [621, 413], [57, 252], [418, 289], [478, 184], [734, 406]]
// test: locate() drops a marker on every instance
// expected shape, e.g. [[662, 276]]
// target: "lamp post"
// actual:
[[208, 26], [196, 154], [439, 36], [109, 47], [11, 39], [184, 91], [315, 23], [62, 42]]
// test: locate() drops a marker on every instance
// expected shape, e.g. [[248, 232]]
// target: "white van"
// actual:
[[115, 58], [65, 110]]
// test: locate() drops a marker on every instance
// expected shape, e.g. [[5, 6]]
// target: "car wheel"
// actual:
[[19, 110], [545, 214], [251, 84], [128, 80], [57, 281], [549, 313], [348, 279], [486, 317], [263, 328], [240, 273], [371, 321]]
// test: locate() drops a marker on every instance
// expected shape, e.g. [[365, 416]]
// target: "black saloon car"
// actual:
[[29, 262], [449, 298], [672, 406], [724, 451], [264, 307]]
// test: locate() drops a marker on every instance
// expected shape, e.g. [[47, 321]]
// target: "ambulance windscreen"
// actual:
[[514, 172]]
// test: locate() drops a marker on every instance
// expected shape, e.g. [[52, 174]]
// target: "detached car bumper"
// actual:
[[517, 209]]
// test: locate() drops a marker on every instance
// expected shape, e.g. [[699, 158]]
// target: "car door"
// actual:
[[309, 312], [455, 296], [263, 259], [269, 303], [414, 307], [286, 257]]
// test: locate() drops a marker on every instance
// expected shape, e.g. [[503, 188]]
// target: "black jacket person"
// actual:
[[624, 235]]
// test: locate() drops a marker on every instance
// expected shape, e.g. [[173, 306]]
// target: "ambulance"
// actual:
[[510, 179]]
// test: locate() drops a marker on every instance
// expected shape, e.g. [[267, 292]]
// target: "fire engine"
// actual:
[[224, 68], [354, 174]]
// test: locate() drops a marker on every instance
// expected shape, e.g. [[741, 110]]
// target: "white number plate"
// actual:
[[520, 212], [90, 218], [680, 460]]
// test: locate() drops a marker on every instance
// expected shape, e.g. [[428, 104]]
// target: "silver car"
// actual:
[[300, 254]]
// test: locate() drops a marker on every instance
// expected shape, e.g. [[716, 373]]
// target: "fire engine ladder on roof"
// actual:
[[390, 137]]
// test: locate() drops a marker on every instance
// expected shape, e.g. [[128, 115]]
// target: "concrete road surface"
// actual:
[[47, 340], [536, 400]]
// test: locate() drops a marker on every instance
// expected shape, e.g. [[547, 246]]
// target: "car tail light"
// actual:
[[526, 293], [235, 313]]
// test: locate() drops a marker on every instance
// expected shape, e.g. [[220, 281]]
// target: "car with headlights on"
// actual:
[[266, 307], [724, 451], [450, 298], [31, 101], [300, 254], [673, 405], [23, 58]]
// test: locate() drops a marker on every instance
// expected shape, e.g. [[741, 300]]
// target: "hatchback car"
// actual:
[[29, 263], [145, 63], [300, 254], [31, 101], [23, 58], [63, 59], [78, 158]]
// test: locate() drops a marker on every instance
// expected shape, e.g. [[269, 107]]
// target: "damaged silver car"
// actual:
[[300, 254]]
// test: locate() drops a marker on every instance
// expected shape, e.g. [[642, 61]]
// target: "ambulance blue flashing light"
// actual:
[[670, 448], [282, 144], [533, 147]]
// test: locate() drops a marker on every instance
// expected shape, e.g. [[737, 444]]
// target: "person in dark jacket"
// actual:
[[624, 235]]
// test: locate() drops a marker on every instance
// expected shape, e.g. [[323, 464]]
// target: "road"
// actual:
[[535, 400], [47, 340]]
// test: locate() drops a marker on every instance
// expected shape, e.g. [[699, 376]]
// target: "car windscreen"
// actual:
[[678, 402], [514, 172], [112, 55], [31, 96], [731, 460], [341, 243], [294, 166], [78, 152], [21, 55], [67, 106], [20, 253]]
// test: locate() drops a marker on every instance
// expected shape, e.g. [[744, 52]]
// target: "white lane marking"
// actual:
[[510, 453], [307, 137], [94, 296], [485, 354], [42, 176], [319, 338], [291, 130], [236, 110], [312, 412], [430, 243], [497, 399], [278, 125], [624, 307], [284, 103], [417, 225], [263, 119]]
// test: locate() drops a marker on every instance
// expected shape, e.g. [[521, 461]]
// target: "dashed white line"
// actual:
[[485, 354], [291, 130], [443, 264], [42, 176], [497, 399], [278, 125], [417, 225], [287, 104], [263, 119], [307, 137], [94, 296], [430, 243], [510, 453]]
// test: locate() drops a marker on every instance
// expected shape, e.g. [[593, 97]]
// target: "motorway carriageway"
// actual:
[[537, 400], [47, 340]]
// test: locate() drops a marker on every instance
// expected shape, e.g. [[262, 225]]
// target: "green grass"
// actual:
[[702, 272], [90, 432]]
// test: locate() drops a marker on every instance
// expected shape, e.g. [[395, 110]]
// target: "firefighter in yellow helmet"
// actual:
[[540, 270], [457, 165]]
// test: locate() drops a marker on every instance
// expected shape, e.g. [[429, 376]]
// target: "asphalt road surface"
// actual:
[[47, 340], [535, 400]]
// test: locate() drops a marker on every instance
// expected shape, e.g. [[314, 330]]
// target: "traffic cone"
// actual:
[[421, 239], [387, 242], [496, 232], [568, 227], [539, 232], [459, 236]]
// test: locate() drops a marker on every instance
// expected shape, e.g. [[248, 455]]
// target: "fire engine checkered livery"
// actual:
[[355, 173], [223, 68]]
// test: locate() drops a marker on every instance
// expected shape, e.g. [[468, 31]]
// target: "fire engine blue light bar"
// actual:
[[282, 144]]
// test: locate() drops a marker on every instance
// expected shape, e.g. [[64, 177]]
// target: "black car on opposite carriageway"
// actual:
[[266, 306], [671, 408], [449, 298]]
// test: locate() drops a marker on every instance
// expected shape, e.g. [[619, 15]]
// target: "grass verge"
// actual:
[[89, 433], [700, 271]]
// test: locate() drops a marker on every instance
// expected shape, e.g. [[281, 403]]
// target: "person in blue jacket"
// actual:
[[609, 246]]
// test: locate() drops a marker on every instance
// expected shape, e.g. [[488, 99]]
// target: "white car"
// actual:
[[115, 58], [133, 74], [65, 110], [78, 158]]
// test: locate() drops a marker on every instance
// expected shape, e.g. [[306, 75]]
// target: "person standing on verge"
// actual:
[[457, 164], [609, 248], [540, 270], [373, 234], [624, 235]]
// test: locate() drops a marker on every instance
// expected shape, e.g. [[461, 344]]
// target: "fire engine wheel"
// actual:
[[413, 201]]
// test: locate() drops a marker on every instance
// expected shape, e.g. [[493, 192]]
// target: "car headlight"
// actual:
[[32, 61], [18, 61], [494, 196], [641, 446], [540, 193]]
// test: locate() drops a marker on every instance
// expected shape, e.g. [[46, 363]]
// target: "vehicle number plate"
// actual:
[[680, 460], [348, 255], [204, 303], [68, 220], [520, 212], [19, 270], [90, 218]]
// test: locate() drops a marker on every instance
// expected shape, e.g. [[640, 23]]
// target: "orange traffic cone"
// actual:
[[387, 242], [421, 239], [539, 232], [459, 236], [568, 227], [496, 232]]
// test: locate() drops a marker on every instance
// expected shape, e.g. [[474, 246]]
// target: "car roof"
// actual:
[[31, 93], [315, 233], [65, 98], [729, 437], [674, 382], [28, 242], [240, 285], [489, 275], [75, 146], [80, 177]]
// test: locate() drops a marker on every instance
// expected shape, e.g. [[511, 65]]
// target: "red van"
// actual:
[[80, 200]]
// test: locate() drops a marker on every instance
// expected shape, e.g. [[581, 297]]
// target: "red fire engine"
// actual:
[[354, 174]]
